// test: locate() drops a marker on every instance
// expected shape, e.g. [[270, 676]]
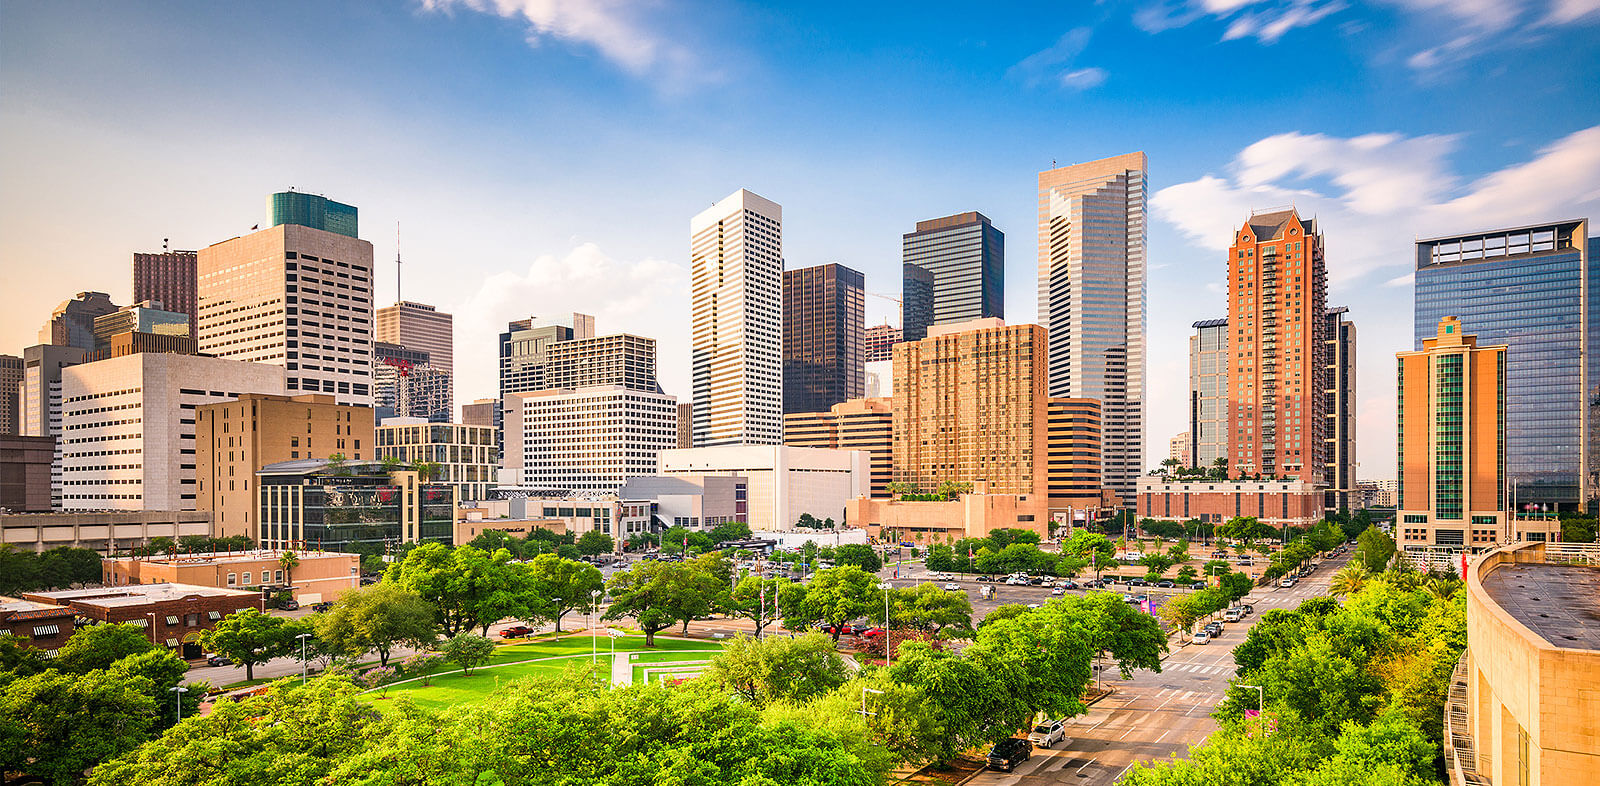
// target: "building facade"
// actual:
[[1536, 289], [145, 316], [354, 506], [691, 501], [479, 413], [466, 455], [1276, 503], [1075, 489], [973, 515], [314, 211], [168, 277], [419, 326], [967, 256], [315, 577], [523, 356], [133, 342], [1178, 449], [685, 425], [879, 343], [10, 395], [1208, 392], [1339, 396], [25, 464], [39, 400], [235, 439], [175, 615], [824, 322], [782, 482], [1092, 267], [128, 426], [865, 424], [295, 297], [71, 324], [587, 440], [107, 533], [736, 321], [622, 359], [42, 626], [916, 302], [405, 383]]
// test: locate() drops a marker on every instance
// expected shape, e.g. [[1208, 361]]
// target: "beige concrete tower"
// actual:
[[736, 321], [1092, 299]]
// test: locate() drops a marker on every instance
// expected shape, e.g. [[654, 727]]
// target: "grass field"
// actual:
[[455, 688]]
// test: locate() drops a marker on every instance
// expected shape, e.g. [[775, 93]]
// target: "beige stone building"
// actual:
[[236, 439], [865, 424], [319, 576], [1522, 709], [971, 516]]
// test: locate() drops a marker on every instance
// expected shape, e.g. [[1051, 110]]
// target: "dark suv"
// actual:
[[1010, 752]]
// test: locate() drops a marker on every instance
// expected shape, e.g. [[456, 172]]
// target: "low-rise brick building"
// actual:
[[318, 576], [45, 626], [1295, 503], [174, 614]]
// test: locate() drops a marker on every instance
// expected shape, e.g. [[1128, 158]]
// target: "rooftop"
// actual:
[[17, 608], [140, 594], [216, 557], [1559, 602]]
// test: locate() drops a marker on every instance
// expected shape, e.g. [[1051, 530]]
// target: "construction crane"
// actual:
[[899, 312]]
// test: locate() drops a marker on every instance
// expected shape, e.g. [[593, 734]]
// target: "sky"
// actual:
[[540, 157]]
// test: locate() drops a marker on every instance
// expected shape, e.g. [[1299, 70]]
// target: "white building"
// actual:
[[783, 482], [880, 379], [295, 297], [1092, 229], [466, 455], [692, 501], [589, 439], [736, 319], [127, 426]]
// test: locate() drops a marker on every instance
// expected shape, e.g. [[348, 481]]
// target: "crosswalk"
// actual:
[[1196, 668]]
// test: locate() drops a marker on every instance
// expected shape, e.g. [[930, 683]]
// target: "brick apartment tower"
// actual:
[[1277, 315], [168, 277]]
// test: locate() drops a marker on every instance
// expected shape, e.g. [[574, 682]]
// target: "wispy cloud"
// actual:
[[1055, 64], [616, 29], [1480, 26], [1264, 20]]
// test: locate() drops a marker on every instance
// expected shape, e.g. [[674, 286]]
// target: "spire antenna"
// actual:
[[397, 262]]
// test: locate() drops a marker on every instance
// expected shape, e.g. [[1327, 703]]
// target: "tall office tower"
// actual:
[[824, 319], [235, 439], [310, 210], [128, 433], [1452, 416], [685, 424], [587, 440], [736, 319], [967, 257], [879, 343], [10, 395], [916, 302], [1208, 392], [168, 277], [72, 322], [970, 404], [406, 384], [1092, 299], [146, 316], [1277, 316], [620, 359], [1340, 409], [1178, 449], [858, 424], [293, 296], [479, 413], [1537, 289], [1073, 473], [419, 326], [39, 400], [522, 356]]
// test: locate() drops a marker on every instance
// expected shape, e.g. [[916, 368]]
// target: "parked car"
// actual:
[[846, 629], [1199, 585], [1165, 583], [1201, 637], [1138, 583], [516, 631], [1094, 584], [1068, 584], [213, 659], [289, 605], [1035, 581], [950, 585], [1008, 753], [1286, 583], [984, 578], [1246, 561], [323, 606], [1033, 605], [1248, 609], [872, 633], [1058, 591], [1233, 614], [1133, 556], [1047, 732], [1219, 554]]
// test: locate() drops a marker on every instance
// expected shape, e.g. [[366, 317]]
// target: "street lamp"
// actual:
[[864, 691], [614, 634], [177, 695], [1261, 697], [594, 634], [302, 637]]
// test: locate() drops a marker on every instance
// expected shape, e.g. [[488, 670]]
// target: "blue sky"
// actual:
[[545, 156]]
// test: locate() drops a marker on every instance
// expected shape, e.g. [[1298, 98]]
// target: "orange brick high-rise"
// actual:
[[1277, 298]]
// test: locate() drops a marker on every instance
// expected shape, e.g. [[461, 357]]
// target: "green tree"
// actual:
[[756, 599], [658, 595], [1374, 549], [762, 671], [897, 488], [1132, 638], [834, 596], [560, 586], [1350, 579], [1005, 536], [99, 646], [1246, 528], [467, 650], [1235, 585], [467, 587], [595, 542], [67, 566], [1179, 552], [249, 637], [1004, 611], [18, 658], [376, 618], [861, 556], [161, 670], [1186, 574], [54, 726], [928, 608], [19, 570], [1157, 564], [288, 560]]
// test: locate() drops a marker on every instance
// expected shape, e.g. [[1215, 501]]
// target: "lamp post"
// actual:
[[177, 695], [1261, 698], [594, 645], [864, 691], [614, 634], [302, 637], [556, 608]]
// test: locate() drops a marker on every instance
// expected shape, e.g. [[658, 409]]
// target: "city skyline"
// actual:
[[1384, 162]]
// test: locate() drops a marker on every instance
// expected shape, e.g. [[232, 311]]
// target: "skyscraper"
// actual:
[[1092, 299], [967, 257], [824, 321], [879, 343], [736, 321], [168, 277], [1536, 289], [523, 350], [310, 210], [1339, 396], [1452, 439], [865, 424], [405, 383], [1208, 392], [293, 296], [916, 302], [1277, 316], [419, 326], [10, 395], [72, 322], [142, 317], [591, 439], [621, 359]]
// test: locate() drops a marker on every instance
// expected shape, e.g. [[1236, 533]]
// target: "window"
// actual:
[[277, 576], [46, 630], [214, 615], [233, 578], [247, 578], [171, 620]]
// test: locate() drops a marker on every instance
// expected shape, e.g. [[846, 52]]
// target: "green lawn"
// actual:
[[455, 688]]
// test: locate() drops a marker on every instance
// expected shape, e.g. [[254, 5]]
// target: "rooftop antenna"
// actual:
[[164, 244], [397, 263]]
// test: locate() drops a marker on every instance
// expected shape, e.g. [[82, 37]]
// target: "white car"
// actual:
[[952, 586], [1058, 591], [1201, 637], [1033, 605], [1233, 614], [1286, 583], [1047, 732]]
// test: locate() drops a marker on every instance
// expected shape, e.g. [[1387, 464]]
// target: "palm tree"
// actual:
[[288, 560], [1350, 579]]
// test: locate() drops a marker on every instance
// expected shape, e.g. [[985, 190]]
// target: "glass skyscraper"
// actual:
[[1535, 289], [310, 210], [967, 257]]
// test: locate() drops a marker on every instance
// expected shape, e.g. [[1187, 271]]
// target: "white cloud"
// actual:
[[1486, 25], [1055, 64], [649, 298], [1568, 11], [612, 27], [1265, 20], [1387, 189]]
